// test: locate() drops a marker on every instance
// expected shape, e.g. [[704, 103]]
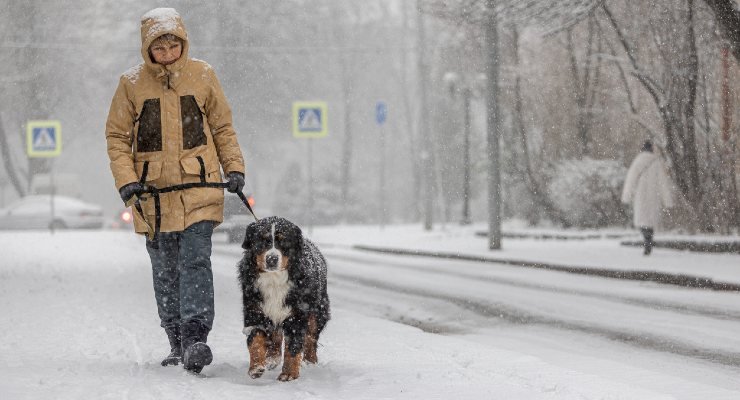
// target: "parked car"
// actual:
[[34, 212]]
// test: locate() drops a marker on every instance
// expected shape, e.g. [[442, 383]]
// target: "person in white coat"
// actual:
[[648, 188]]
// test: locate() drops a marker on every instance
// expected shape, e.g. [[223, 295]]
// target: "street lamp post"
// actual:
[[494, 129], [468, 88], [466, 157], [427, 163]]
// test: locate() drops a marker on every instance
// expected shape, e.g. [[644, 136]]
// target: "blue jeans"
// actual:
[[183, 280]]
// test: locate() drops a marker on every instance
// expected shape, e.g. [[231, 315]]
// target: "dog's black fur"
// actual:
[[272, 244]]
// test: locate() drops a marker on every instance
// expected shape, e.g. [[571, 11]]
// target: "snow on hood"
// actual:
[[164, 20]]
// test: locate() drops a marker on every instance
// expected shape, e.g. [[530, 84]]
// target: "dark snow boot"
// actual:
[[175, 357], [195, 352], [647, 233]]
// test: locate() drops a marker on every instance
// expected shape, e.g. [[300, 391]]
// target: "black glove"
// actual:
[[130, 189], [236, 182]]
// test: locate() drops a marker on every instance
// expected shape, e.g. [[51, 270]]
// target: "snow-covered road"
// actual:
[[684, 340], [80, 322], [696, 323]]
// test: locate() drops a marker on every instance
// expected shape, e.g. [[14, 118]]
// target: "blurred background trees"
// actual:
[[583, 83], [588, 79]]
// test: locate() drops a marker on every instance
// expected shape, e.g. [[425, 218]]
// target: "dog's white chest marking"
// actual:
[[274, 287]]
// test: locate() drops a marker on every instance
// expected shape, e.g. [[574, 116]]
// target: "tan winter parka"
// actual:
[[169, 125]]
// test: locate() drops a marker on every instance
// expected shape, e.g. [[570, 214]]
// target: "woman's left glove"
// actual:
[[128, 190], [236, 182]]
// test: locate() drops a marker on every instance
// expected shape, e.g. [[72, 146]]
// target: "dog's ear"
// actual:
[[247, 243], [299, 234]]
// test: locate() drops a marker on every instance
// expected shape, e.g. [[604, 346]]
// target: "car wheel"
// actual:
[[58, 224]]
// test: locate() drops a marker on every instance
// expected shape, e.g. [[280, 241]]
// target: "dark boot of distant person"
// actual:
[[195, 352], [647, 233], [175, 357]]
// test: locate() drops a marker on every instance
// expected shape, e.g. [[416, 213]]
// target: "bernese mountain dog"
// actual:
[[283, 282]]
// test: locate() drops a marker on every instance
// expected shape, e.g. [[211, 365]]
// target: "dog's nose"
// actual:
[[272, 261]]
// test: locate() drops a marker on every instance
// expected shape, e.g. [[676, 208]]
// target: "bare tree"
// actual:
[[585, 74], [673, 91], [14, 174], [24, 53], [727, 15], [530, 173], [347, 62], [409, 92]]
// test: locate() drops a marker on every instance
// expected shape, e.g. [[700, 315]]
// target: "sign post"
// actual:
[[44, 139], [310, 122], [3, 182], [381, 115]]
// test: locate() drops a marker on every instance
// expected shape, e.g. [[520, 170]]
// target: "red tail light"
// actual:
[[126, 216]]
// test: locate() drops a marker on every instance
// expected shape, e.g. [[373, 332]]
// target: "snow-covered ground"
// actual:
[[597, 253], [80, 322]]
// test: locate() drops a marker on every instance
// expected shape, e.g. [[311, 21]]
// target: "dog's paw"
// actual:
[[285, 377], [310, 358], [256, 372]]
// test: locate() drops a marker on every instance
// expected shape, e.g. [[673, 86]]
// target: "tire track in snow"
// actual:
[[681, 308], [666, 278]]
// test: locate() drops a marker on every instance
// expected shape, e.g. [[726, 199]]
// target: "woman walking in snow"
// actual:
[[170, 124], [648, 188]]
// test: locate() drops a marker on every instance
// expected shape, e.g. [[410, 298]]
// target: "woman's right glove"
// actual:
[[128, 190], [236, 182]]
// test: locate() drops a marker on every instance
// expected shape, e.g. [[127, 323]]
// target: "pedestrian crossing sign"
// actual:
[[309, 119], [44, 138]]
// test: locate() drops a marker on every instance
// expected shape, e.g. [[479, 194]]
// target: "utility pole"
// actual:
[[468, 86], [494, 130], [310, 187], [467, 94], [381, 113], [726, 98], [424, 136]]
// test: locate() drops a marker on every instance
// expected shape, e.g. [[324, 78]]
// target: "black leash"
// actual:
[[155, 192]]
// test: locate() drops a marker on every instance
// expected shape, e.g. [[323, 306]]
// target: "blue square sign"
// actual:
[[43, 138], [309, 119], [381, 112]]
